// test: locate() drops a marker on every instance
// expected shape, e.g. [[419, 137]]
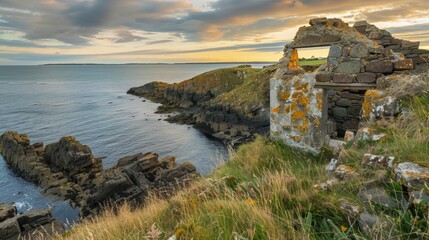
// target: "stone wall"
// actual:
[[308, 107], [296, 111], [384, 38], [344, 111]]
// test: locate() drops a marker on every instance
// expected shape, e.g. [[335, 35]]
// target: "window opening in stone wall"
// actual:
[[311, 58]]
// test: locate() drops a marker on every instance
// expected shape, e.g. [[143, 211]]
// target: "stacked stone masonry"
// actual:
[[335, 98]]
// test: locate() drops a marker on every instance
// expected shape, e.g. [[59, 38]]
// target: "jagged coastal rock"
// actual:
[[38, 224], [134, 177], [68, 170], [231, 104]]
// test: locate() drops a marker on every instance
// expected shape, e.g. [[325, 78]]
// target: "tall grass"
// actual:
[[265, 191]]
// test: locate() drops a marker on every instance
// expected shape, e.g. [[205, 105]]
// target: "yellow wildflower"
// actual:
[[251, 202], [179, 232], [343, 228]]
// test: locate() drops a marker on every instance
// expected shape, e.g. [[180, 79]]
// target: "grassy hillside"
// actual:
[[266, 190], [253, 90]]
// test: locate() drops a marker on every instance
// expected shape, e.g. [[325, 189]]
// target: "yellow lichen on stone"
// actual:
[[276, 109], [287, 109], [297, 138], [319, 99], [301, 98], [370, 97], [301, 86], [284, 95], [294, 61], [297, 115], [316, 122]]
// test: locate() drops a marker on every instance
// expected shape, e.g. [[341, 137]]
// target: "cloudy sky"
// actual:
[[127, 31]]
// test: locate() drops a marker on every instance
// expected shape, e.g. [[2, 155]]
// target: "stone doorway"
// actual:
[[343, 111]]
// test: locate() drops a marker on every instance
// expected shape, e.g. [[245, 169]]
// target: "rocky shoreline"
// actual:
[[37, 224], [229, 104], [68, 170]]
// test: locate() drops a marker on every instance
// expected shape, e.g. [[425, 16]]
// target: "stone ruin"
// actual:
[[310, 108]]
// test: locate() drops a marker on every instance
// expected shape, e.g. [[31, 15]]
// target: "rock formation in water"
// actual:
[[38, 224], [68, 170], [230, 104]]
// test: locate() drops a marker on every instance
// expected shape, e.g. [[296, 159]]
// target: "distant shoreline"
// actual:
[[91, 64], [50, 64]]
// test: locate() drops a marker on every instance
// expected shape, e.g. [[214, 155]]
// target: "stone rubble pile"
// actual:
[[384, 171]]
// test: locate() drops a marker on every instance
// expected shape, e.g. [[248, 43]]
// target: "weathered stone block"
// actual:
[[361, 29], [329, 38], [370, 97], [420, 60], [346, 52], [331, 92], [378, 196], [318, 21], [354, 110], [375, 35], [393, 46], [351, 124], [405, 64], [349, 136], [396, 41], [344, 102], [349, 67], [409, 44], [361, 24], [323, 77], [359, 50], [412, 175], [343, 78], [334, 51], [385, 66], [309, 39], [366, 77], [339, 113], [377, 161]]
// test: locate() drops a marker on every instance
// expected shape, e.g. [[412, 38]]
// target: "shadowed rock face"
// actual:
[[134, 177], [38, 224], [68, 170], [65, 169]]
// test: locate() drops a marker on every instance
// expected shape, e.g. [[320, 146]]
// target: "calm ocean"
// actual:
[[90, 103]]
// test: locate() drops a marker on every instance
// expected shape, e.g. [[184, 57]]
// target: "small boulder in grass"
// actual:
[[330, 169], [377, 161], [419, 197], [412, 175], [345, 172], [349, 136], [369, 135]]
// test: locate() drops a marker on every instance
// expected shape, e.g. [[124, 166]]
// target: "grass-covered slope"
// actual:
[[267, 190], [232, 104], [242, 80]]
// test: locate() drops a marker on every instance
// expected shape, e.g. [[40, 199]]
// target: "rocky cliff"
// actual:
[[68, 170], [230, 104]]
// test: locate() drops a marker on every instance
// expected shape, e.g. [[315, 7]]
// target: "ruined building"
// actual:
[[310, 108]]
